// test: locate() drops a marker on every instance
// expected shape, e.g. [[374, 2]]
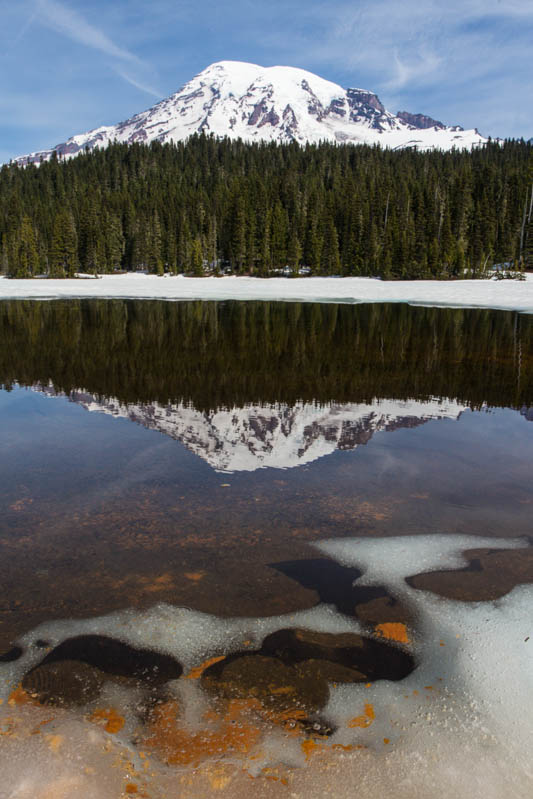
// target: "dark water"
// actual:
[[330, 421], [259, 428]]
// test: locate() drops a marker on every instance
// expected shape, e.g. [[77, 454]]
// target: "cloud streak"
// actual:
[[440, 57], [143, 87], [70, 23], [64, 20], [19, 36]]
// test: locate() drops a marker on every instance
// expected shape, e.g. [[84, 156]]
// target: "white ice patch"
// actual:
[[391, 560], [458, 726], [510, 295], [468, 730], [189, 636]]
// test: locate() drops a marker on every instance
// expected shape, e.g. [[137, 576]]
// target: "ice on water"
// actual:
[[458, 725]]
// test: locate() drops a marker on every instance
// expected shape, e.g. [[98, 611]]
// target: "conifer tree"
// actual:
[[294, 253], [238, 235], [155, 246], [197, 258], [64, 246], [331, 261], [528, 222]]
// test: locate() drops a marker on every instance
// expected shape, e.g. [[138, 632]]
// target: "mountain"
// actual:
[[276, 436], [279, 104]]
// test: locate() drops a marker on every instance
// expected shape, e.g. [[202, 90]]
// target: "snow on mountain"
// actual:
[[279, 104], [276, 436]]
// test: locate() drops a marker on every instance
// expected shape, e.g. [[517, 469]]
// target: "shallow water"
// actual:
[[193, 483]]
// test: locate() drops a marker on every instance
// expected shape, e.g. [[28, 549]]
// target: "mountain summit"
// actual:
[[278, 104]]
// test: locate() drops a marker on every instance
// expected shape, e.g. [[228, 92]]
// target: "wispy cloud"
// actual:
[[65, 20], [18, 36], [143, 87], [419, 51], [422, 66]]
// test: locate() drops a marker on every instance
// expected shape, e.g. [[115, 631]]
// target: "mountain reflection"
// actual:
[[277, 436]]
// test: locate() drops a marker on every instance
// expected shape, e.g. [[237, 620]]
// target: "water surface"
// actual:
[[198, 455]]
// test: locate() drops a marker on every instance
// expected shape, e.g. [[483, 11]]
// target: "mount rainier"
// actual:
[[273, 104]]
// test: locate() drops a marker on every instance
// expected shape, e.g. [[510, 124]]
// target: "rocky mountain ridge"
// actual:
[[273, 104]]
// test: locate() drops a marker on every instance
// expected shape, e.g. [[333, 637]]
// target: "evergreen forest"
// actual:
[[212, 206]]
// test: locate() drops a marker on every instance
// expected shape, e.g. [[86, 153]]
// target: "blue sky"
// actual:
[[67, 66]]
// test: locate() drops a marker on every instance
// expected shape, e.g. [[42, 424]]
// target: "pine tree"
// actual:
[[197, 258], [294, 253], [63, 250], [331, 262], [184, 244], [528, 221], [265, 261], [155, 246], [115, 243], [21, 253], [238, 235], [279, 235]]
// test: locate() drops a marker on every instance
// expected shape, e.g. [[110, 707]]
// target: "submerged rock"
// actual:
[[64, 683], [275, 684]]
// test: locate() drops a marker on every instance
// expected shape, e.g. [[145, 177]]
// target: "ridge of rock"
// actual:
[[269, 104]]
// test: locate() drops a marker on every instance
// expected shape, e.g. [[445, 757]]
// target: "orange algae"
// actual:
[[310, 747], [366, 719], [234, 730], [230, 733], [393, 631], [55, 742], [197, 671], [161, 583], [19, 696], [112, 721], [195, 577]]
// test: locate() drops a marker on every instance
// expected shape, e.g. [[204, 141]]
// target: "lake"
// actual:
[[279, 548]]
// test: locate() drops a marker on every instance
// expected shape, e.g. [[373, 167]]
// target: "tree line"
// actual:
[[217, 205]]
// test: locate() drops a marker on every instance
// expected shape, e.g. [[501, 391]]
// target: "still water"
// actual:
[[286, 543]]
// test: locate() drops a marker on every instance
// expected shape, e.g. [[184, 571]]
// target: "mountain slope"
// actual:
[[279, 104]]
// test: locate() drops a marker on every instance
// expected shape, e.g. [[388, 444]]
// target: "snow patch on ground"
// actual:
[[500, 294]]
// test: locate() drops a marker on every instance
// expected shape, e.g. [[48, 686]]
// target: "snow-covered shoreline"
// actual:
[[511, 295]]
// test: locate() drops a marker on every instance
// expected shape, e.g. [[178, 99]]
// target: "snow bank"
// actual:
[[509, 295]]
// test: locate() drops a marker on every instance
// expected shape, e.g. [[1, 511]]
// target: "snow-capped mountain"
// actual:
[[279, 104], [278, 436]]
